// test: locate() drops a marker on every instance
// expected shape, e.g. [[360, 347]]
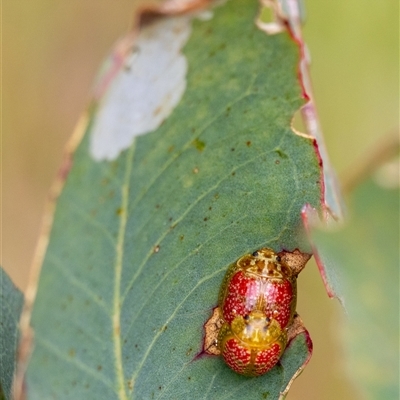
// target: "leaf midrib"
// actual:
[[119, 255]]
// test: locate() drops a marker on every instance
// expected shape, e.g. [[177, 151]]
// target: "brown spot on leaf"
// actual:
[[280, 153], [198, 144], [212, 328], [295, 260], [157, 110]]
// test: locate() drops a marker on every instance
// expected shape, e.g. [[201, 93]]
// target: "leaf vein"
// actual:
[[183, 215], [73, 360], [119, 255], [210, 385], [160, 282], [170, 318], [187, 145], [55, 261], [92, 221]]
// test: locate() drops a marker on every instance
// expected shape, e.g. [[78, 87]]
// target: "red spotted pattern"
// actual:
[[238, 301], [244, 293], [266, 359], [253, 362], [236, 356], [278, 301]]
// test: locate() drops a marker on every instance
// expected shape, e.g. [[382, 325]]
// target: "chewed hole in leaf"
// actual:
[[269, 19], [298, 124]]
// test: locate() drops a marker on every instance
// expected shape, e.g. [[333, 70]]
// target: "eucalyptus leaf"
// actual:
[[11, 302], [140, 243]]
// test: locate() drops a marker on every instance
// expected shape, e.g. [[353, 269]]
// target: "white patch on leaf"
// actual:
[[144, 90]]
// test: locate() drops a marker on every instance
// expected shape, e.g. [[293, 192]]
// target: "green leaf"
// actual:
[[11, 302], [140, 243], [365, 255]]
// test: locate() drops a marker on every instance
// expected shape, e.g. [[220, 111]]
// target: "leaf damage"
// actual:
[[288, 15], [149, 56], [127, 107]]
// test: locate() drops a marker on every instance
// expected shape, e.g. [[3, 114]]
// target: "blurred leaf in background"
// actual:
[[11, 302], [365, 251]]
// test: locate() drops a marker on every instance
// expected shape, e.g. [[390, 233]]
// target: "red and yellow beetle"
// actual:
[[257, 304]]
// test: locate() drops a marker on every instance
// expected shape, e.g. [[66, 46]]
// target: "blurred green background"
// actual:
[[51, 51]]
